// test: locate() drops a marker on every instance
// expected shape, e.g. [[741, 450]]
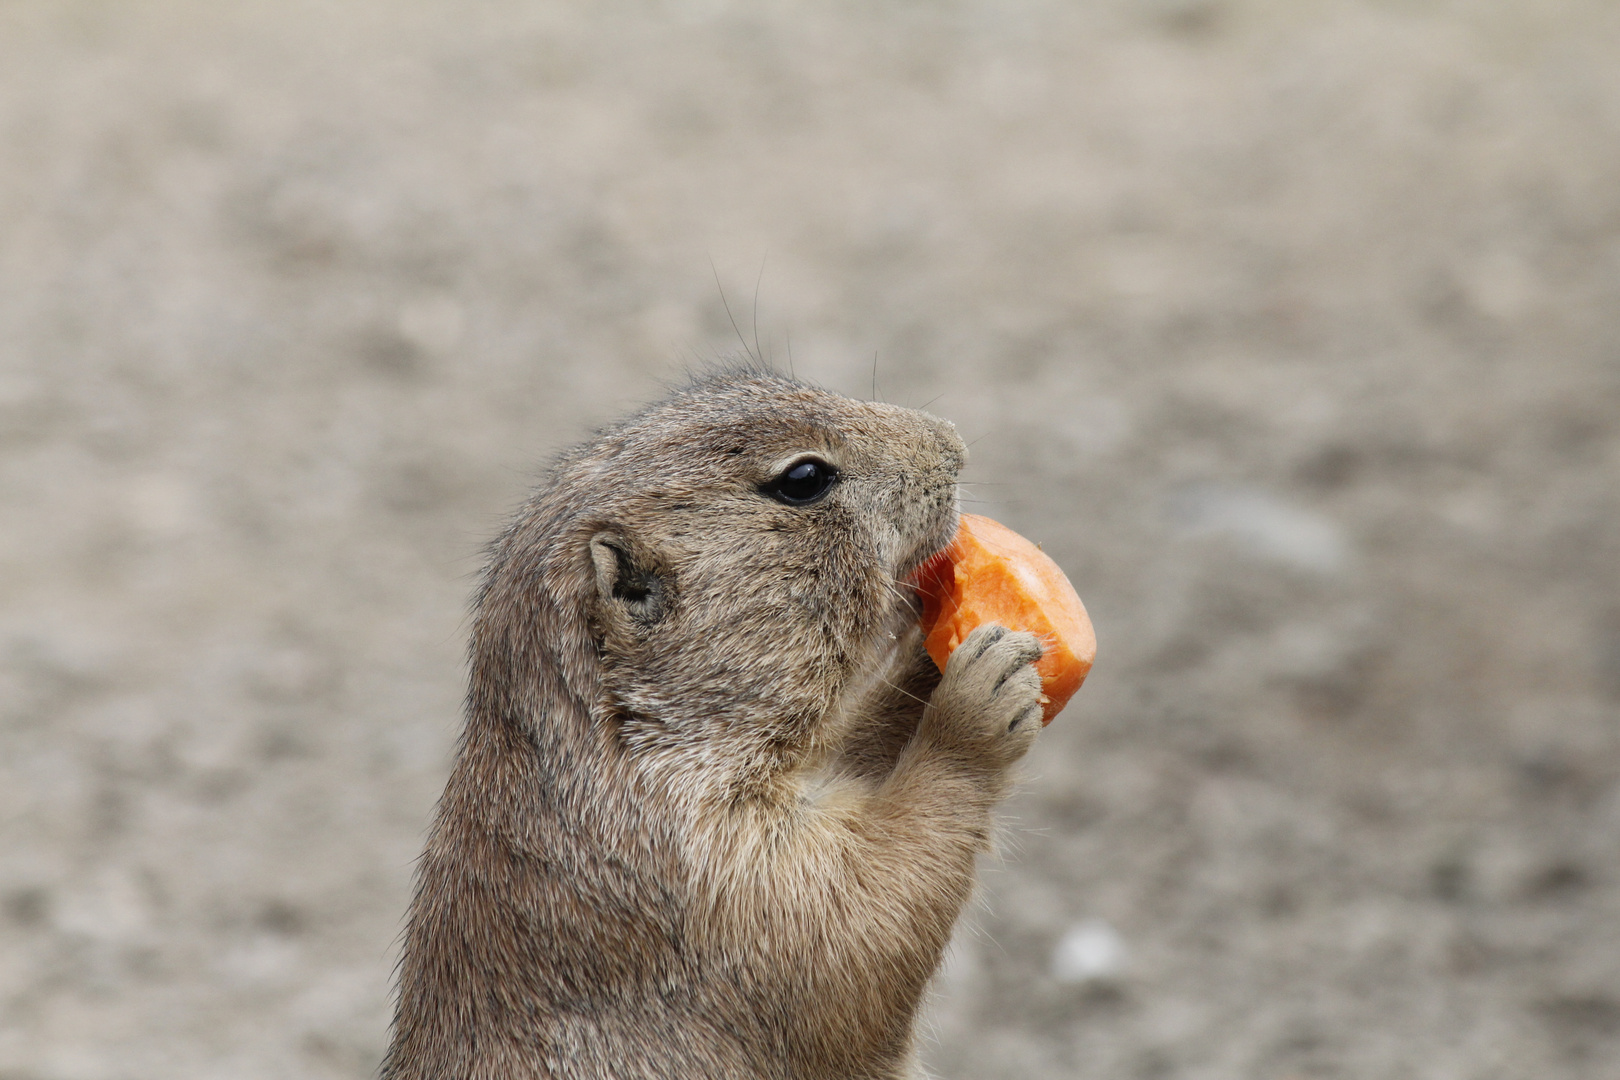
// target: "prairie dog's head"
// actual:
[[738, 551]]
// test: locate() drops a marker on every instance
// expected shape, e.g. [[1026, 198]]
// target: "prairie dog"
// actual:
[[714, 811]]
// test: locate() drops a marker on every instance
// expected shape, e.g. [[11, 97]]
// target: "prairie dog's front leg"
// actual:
[[854, 898], [981, 719], [986, 712], [885, 720]]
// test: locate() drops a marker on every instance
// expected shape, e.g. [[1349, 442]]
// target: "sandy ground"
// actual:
[[1291, 328]]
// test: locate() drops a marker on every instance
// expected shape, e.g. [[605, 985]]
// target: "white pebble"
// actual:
[[1089, 951]]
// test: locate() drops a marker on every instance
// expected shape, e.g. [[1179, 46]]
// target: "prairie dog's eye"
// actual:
[[802, 483]]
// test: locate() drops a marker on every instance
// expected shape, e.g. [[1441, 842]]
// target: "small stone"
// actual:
[[1091, 951]]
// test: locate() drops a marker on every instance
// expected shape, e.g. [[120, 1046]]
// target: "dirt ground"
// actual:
[[1291, 328]]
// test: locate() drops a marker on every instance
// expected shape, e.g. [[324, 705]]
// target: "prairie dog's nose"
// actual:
[[951, 447]]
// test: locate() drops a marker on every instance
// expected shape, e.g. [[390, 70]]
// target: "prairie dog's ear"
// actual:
[[632, 586]]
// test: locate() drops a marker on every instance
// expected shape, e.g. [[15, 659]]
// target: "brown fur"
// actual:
[[700, 823]]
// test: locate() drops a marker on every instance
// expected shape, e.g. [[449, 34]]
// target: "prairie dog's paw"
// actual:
[[988, 704]]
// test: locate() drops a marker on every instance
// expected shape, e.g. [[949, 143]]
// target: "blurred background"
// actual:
[[1290, 327]]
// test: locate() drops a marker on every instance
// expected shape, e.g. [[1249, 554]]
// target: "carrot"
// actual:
[[990, 574]]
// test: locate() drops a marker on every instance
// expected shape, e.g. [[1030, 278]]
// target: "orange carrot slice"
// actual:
[[990, 574]]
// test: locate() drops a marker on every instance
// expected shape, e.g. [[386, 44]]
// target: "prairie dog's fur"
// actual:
[[700, 823]]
